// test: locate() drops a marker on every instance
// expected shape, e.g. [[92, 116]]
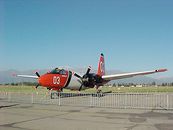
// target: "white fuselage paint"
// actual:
[[74, 83]]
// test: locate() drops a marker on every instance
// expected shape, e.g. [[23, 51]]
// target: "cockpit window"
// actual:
[[62, 72], [58, 71], [55, 71]]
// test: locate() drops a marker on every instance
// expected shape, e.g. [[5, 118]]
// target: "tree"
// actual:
[[153, 83]]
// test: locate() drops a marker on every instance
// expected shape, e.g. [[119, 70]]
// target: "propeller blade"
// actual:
[[37, 86], [89, 68], [78, 76], [37, 74], [79, 81], [80, 87], [84, 78]]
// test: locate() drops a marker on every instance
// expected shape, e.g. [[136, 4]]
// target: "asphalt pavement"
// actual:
[[20, 116]]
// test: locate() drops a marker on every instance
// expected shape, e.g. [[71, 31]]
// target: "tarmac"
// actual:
[[20, 116]]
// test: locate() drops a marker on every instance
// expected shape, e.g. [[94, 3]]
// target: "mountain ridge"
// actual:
[[7, 76]]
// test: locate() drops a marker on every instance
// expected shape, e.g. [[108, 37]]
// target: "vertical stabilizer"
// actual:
[[101, 66]]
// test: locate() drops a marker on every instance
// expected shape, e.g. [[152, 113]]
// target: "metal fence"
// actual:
[[112, 100]]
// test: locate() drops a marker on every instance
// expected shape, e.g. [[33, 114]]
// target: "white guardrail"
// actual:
[[112, 100]]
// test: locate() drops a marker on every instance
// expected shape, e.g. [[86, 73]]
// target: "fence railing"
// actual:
[[112, 100]]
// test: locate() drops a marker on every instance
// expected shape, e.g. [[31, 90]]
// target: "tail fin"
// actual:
[[101, 66]]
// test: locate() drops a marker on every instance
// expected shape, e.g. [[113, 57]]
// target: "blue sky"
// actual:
[[134, 35]]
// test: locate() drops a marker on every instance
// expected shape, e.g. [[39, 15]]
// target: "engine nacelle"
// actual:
[[92, 80]]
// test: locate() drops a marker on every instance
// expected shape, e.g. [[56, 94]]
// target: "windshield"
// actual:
[[58, 71]]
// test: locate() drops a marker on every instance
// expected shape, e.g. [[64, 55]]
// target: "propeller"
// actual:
[[84, 78], [80, 80], [89, 69], [78, 76], [37, 86], [38, 76]]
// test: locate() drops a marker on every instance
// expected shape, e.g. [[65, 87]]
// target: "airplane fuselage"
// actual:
[[66, 79]]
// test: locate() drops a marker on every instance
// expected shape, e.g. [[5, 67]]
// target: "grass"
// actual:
[[149, 89], [30, 89], [22, 89]]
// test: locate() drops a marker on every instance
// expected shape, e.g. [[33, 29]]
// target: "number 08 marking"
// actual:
[[56, 80]]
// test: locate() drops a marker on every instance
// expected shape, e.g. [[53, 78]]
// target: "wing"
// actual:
[[28, 76], [128, 75]]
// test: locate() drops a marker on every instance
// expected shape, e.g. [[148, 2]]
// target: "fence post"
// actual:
[[91, 100], [59, 98], [32, 98], [125, 98], [167, 100]]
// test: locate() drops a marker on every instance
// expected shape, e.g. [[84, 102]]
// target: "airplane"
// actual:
[[59, 78]]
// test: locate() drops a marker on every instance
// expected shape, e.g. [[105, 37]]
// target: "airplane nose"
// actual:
[[40, 80]]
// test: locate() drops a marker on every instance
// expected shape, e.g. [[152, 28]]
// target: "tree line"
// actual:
[[132, 84], [22, 84], [114, 84]]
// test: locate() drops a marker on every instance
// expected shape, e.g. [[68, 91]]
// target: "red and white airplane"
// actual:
[[58, 79]]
